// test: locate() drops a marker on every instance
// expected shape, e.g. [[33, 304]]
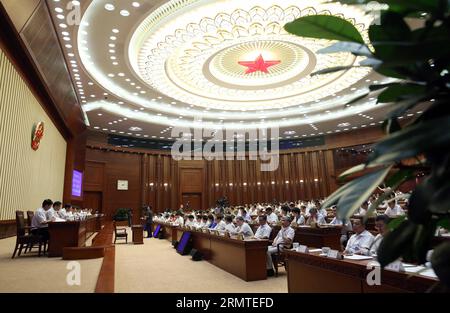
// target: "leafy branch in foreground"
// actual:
[[419, 61]]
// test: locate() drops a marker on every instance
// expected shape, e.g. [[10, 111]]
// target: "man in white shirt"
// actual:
[[272, 218], [264, 230], [199, 222], [39, 223], [345, 228], [298, 219], [315, 218], [284, 238], [190, 221], [220, 225], [54, 212], [381, 225], [63, 213], [363, 209], [179, 219], [393, 209], [361, 241], [229, 227], [243, 228], [323, 212]]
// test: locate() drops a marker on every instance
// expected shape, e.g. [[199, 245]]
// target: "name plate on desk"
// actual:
[[334, 254], [396, 266], [302, 249]]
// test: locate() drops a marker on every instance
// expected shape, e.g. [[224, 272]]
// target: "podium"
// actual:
[[138, 234]]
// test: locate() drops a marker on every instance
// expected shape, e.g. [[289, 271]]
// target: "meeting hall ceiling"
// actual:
[[141, 68]]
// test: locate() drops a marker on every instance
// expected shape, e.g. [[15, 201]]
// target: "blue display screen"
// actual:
[[183, 242], [157, 230]]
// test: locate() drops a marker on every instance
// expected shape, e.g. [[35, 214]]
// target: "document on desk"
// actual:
[[429, 273], [315, 250], [357, 257], [410, 268]]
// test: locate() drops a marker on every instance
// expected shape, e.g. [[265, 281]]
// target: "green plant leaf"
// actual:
[[332, 70], [444, 223], [405, 52], [402, 106], [440, 202], [394, 70], [400, 91], [353, 170], [359, 190], [392, 28], [412, 141], [356, 99], [440, 261], [422, 242], [396, 222], [343, 46], [420, 200], [399, 178], [324, 27], [391, 125], [371, 62], [381, 86], [396, 243], [374, 205]]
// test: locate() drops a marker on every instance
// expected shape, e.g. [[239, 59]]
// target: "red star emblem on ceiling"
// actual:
[[259, 65]]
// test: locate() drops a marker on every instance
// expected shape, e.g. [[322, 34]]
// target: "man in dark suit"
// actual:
[[148, 215]]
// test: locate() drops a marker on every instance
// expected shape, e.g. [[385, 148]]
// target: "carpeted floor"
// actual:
[[29, 273], [156, 267]]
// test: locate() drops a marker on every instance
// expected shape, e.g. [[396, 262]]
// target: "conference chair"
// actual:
[[30, 215], [120, 233], [279, 258], [23, 238]]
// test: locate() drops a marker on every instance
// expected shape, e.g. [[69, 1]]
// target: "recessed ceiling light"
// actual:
[[344, 124], [136, 4], [109, 7], [124, 13]]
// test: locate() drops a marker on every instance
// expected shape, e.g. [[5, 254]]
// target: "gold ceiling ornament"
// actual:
[[190, 51]]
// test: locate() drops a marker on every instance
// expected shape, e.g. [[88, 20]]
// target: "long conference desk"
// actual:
[[245, 259], [328, 236], [72, 234], [312, 273]]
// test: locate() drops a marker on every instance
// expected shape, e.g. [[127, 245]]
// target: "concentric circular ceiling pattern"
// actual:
[[199, 52], [212, 64]]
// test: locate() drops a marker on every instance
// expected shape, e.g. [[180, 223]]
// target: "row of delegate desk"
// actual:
[[306, 272], [310, 272], [245, 259], [72, 233]]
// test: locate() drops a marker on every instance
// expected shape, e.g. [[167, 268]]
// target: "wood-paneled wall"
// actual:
[[155, 178]]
